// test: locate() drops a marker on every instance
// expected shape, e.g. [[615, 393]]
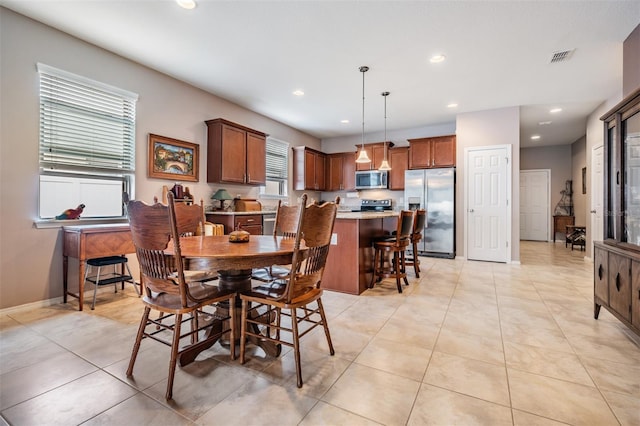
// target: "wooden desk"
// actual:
[[88, 242]]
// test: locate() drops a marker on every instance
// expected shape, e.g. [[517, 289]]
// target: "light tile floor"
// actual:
[[468, 343]]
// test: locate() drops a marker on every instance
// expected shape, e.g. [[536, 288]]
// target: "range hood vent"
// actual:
[[561, 56]]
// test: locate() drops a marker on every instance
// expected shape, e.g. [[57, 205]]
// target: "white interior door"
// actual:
[[597, 194], [534, 205], [487, 218]]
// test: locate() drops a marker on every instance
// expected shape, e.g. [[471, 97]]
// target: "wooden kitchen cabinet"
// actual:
[[399, 161], [252, 223], [427, 153], [341, 170], [235, 154], [308, 169], [375, 151]]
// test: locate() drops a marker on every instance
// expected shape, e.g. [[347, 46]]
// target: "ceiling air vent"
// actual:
[[562, 56]]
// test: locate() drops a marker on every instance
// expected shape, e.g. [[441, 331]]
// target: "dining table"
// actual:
[[234, 262]]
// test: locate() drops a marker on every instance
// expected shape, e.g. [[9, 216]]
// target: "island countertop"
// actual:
[[366, 215]]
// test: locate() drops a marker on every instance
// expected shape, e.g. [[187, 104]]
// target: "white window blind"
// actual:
[[277, 159], [87, 144], [277, 164], [85, 124]]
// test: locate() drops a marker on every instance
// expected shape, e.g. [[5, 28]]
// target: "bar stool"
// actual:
[[416, 236], [385, 265], [113, 277]]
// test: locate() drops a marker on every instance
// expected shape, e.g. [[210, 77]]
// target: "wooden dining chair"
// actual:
[[167, 291], [287, 219], [416, 236], [303, 288], [389, 252]]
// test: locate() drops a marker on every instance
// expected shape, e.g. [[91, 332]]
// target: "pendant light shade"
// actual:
[[385, 164], [363, 157]]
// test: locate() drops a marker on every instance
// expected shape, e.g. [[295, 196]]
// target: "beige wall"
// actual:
[[486, 128], [631, 63], [31, 259], [556, 158], [578, 161]]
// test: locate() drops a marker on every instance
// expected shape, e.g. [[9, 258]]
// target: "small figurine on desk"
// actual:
[[71, 213]]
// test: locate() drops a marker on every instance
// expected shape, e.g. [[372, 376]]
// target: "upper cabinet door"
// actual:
[[399, 159], [234, 148], [444, 151], [426, 153], [256, 159], [235, 154]]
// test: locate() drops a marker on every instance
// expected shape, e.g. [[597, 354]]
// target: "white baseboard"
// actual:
[[32, 305]]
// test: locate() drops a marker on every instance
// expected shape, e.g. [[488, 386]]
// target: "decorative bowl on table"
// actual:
[[239, 237]]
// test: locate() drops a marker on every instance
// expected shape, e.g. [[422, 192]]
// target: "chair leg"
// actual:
[[375, 267], [403, 267], [326, 327], [95, 288], [396, 266], [232, 338], [416, 262], [296, 345], [174, 356], [136, 345], [243, 329]]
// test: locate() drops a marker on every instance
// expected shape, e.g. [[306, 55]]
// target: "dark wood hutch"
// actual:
[[617, 258]]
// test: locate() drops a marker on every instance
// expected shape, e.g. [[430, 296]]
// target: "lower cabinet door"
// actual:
[[620, 285], [601, 275]]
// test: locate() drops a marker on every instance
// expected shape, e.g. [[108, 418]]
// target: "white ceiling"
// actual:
[[256, 53]]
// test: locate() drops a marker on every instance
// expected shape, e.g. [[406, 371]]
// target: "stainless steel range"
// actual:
[[375, 205]]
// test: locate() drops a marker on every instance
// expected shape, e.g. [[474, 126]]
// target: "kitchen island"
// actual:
[[349, 266]]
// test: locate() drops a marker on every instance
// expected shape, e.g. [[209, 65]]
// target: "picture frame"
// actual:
[[584, 180], [173, 159]]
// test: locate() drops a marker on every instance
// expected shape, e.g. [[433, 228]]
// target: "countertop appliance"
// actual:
[[374, 205], [434, 191], [372, 179]]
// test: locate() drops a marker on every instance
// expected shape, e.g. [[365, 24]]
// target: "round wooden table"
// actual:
[[234, 263]]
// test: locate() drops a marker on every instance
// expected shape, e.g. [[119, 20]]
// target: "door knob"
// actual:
[[593, 211], [471, 210]]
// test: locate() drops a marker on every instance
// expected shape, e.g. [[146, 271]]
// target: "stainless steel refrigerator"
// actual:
[[433, 190]]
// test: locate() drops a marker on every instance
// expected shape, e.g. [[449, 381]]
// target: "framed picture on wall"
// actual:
[[173, 159], [584, 180]]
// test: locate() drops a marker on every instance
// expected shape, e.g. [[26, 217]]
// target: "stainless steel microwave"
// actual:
[[372, 179]]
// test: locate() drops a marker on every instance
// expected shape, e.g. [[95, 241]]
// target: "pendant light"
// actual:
[[385, 164], [363, 157]]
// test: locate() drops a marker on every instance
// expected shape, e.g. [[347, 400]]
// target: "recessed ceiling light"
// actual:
[[544, 123], [555, 110], [344, 121], [452, 105], [436, 59], [535, 137], [187, 4], [298, 93]]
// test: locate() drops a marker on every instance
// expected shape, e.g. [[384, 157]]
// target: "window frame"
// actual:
[[86, 132]]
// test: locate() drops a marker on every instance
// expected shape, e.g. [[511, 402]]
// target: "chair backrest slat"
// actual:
[[152, 227], [287, 218], [315, 227]]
